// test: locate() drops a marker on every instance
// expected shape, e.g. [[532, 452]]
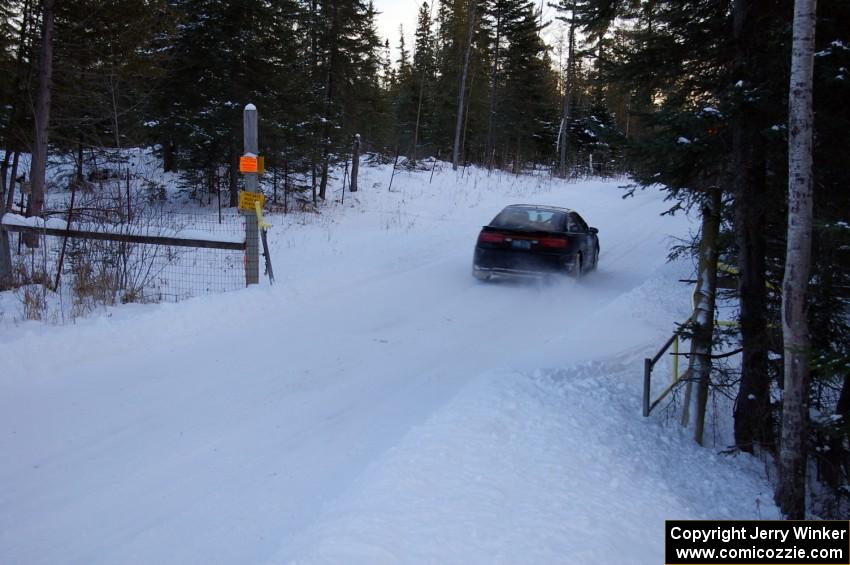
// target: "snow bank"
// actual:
[[547, 467]]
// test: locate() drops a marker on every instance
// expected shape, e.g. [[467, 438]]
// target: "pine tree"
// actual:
[[528, 110], [16, 61], [499, 15], [567, 7], [684, 66], [751, 75], [224, 55], [12, 63], [451, 33], [472, 22], [8, 32], [107, 69], [402, 95], [423, 74], [345, 46], [369, 106], [388, 74], [829, 309]]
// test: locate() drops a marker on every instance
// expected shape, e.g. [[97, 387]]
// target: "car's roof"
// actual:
[[540, 207]]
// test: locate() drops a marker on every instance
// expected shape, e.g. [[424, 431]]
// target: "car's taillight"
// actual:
[[490, 237], [552, 243]]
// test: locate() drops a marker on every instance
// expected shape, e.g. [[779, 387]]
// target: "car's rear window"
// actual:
[[529, 219]]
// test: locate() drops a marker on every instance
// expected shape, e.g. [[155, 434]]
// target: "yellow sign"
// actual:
[[248, 164], [261, 165], [248, 200]]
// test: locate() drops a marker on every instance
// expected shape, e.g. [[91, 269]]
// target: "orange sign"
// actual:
[[248, 164]]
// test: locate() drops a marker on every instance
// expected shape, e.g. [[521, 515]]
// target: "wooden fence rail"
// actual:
[[208, 241]]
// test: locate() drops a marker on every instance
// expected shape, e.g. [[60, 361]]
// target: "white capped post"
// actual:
[[252, 265]]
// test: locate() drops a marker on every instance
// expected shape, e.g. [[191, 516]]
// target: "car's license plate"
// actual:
[[521, 244]]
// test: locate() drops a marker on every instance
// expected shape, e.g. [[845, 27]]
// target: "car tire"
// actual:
[[578, 268], [596, 258], [480, 276]]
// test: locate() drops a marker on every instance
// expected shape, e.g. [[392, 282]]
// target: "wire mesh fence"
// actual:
[[104, 257]]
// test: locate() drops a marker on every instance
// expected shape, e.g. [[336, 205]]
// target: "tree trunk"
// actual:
[[491, 134], [274, 183], [462, 90], [323, 180], [313, 179], [791, 492], [834, 468], [42, 114], [703, 321], [418, 117], [79, 177], [5, 245], [285, 186], [355, 163], [329, 98], [752, 407], [5, 261], [233, 178], [4, 171], [565, 113], [465, 128], [13, 180], [169, 156]]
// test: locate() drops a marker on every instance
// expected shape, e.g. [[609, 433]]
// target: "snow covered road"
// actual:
[[378, 405]]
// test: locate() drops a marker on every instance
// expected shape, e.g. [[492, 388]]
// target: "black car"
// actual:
[[525, 240]]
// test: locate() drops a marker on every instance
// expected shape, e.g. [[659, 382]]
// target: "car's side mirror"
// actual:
[[593, 230]]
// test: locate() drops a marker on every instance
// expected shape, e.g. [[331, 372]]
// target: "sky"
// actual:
[[403, 12], [394, 13]]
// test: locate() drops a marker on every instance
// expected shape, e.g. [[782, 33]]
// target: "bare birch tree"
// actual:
[[791, 492]]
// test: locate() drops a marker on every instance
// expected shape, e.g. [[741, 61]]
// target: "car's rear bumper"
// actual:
[[508, 263], [488, 272]]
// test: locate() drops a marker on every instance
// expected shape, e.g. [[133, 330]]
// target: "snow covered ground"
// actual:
[[378, 405]]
